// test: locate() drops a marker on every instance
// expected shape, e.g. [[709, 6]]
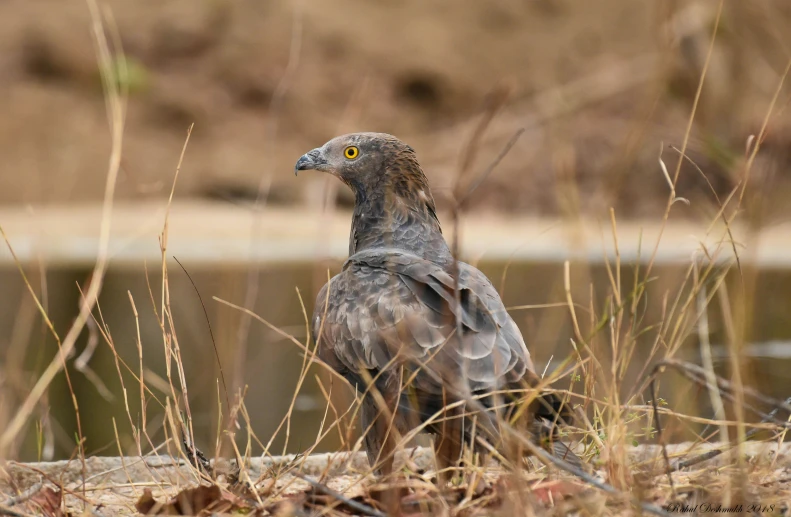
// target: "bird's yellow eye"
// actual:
[[351, 152]]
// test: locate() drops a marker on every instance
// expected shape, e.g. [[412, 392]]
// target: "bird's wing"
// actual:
[[388, 305]]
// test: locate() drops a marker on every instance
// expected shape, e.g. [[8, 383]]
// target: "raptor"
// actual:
[[424, 338]]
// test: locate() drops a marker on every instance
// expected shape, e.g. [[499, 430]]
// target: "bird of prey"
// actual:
[[419, 334]]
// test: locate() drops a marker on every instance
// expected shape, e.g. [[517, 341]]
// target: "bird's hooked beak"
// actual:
[[313, 160]]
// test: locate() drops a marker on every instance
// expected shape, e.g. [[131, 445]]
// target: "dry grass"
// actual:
[[616, 407]]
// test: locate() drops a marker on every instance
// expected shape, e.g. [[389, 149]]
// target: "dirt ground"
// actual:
[[161, 485], [598, 86]]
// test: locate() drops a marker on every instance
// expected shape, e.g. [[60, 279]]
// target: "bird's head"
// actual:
[[367, 162], [393, 202]]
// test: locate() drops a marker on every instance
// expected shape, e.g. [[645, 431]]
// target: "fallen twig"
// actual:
[[351, 503], [697, 375], [24, 496]]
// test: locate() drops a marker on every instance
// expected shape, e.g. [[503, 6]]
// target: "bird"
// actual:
[[421, 335]]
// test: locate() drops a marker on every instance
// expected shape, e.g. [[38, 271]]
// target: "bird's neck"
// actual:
[[392, 220]]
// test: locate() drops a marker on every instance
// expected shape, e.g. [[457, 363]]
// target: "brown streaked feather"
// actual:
[[388, 304]]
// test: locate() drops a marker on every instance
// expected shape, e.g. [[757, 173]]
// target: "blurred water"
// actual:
[[271, 364]]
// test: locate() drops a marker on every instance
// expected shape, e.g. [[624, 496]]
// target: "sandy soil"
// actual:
[[115, 485]]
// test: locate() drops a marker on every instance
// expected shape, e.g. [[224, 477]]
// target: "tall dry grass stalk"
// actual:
[[615, 407]]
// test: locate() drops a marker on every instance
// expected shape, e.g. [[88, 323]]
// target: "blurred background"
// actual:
[[599, 87]]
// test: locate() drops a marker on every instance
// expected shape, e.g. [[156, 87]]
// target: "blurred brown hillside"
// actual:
[[598, 85]]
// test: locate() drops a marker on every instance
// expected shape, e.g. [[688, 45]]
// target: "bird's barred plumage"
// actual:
[[388, 305]]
